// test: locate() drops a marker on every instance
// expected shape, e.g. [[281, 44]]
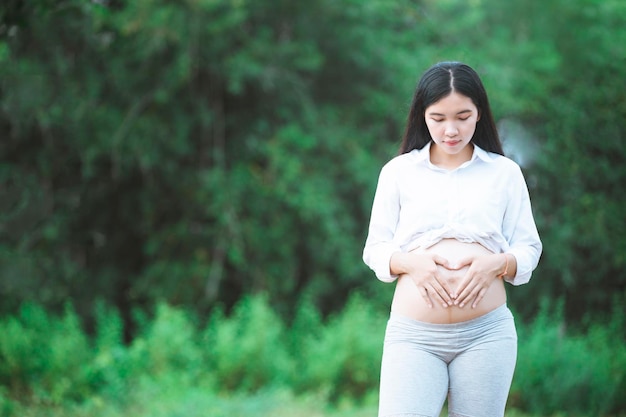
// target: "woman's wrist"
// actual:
[[406, 262], [398, 264], [505, 270]]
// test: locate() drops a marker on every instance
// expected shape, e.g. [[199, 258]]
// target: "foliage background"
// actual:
[[198, 152]]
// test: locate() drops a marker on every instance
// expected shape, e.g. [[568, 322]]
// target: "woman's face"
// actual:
[[451, 122]]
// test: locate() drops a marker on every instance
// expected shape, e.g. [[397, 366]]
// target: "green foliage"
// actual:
[[112, 365], [248, 350], [343, 359], [151, 146], [44, 358], [167, 347], [251, 360], [580, 170], [199, 152], [7, 405], [579, 374]]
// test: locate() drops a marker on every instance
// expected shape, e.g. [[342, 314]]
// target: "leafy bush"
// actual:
[[111, 367], [48, 361], [168, 348], [580, 374], [248, 350], [7, 405], [344, 359], [44, 357]]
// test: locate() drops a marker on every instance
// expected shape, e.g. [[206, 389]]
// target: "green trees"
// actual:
[[574, 113], [192, 152], [198, 151]]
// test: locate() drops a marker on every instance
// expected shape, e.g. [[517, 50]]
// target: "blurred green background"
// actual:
[[185, 190]]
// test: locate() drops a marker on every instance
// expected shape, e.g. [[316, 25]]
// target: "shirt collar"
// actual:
[[482, 154], [423, 155]]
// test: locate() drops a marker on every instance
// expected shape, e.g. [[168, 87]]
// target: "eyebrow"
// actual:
[[441, 114]]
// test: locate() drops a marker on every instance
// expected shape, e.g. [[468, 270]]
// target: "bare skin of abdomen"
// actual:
[[408, 302]]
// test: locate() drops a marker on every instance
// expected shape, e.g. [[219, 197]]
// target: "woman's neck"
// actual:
[[448, 161]]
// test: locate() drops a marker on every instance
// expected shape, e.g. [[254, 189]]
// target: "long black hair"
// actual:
[[438, 82]]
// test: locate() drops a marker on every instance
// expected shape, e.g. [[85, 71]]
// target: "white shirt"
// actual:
[[485, 200]]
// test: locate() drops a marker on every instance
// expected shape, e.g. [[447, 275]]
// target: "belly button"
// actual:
[[452, 280]]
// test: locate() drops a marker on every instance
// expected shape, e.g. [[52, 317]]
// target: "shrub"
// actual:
[[576, 374], [344, 360], [7, 405], [306, 329], [111, 367], [248, 350], [168, 348], [48, 360], [20, 346], [44, 356]]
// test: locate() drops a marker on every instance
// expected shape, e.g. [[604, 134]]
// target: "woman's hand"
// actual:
[[482, 272], [422, 269]]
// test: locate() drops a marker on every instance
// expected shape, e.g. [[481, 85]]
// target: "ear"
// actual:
[[478, 117]]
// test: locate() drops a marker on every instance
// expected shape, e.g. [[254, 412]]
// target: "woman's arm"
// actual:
[[379, 246], [520, 231]]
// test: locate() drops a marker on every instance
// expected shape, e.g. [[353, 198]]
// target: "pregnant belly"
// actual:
[[408, 301]]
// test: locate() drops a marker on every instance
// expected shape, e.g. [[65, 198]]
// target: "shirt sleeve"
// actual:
[[520, 230], [379, 245]]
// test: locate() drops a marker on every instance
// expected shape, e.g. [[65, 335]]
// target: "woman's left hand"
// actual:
[[482, 272]]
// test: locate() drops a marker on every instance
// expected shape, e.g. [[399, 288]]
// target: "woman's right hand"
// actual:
[[422, 269]]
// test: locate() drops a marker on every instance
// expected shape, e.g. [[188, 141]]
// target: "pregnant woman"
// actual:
[[451, 222]]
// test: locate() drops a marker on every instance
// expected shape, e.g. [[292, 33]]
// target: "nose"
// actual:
[[451, 130]]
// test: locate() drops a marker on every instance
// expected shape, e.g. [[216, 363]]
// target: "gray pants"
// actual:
[[471, 363]]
